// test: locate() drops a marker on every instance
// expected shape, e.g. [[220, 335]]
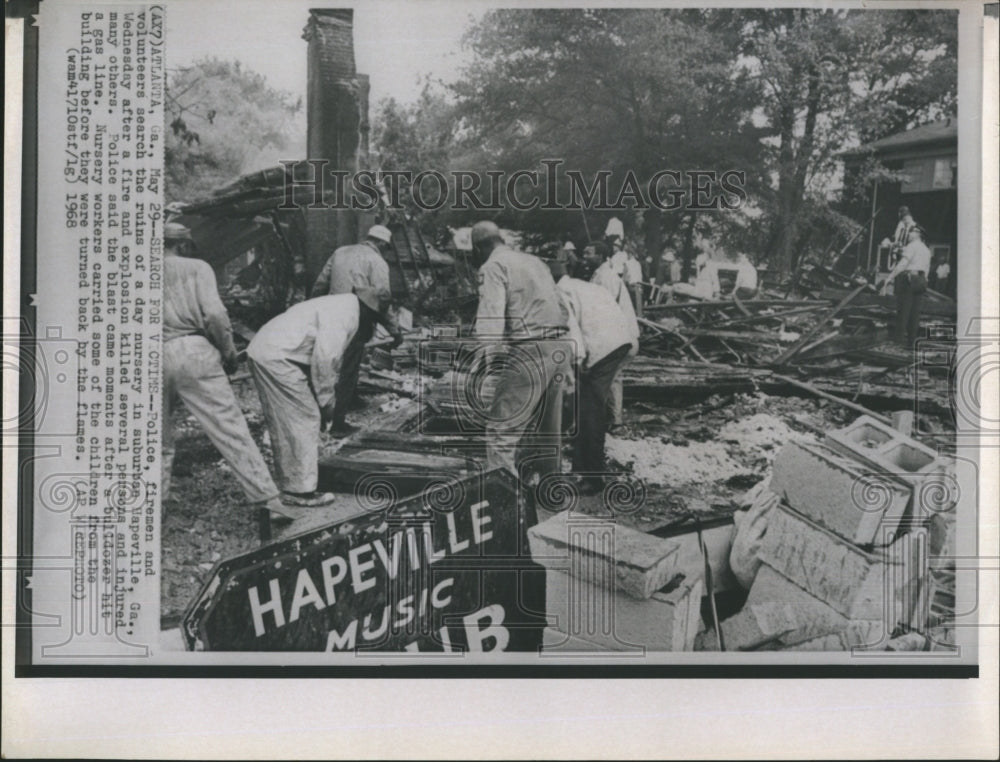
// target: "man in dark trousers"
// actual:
[[603, 341], [909, 277]]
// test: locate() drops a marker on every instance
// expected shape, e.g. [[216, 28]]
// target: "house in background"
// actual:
[[927, 157]]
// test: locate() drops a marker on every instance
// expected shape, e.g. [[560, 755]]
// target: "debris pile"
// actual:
[[842, 559], [835, 341]]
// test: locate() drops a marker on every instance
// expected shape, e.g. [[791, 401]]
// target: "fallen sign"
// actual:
[[443, 570]]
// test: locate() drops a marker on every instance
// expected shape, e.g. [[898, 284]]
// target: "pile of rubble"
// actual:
[[854, 527], [846, 547]]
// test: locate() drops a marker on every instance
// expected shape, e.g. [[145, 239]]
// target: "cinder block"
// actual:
[[598, 550], [874, 442], [667, 621], [779, 614], [855, 500], [872, 586]]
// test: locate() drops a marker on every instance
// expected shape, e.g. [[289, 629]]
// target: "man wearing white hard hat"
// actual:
[[361, 265], [295, 361], [198, 352]]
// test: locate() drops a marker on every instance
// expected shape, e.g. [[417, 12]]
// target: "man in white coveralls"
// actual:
[[295, 361]]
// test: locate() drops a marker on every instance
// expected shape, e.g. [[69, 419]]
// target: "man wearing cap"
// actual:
[[597, 255], [361, 265], [295, 360], [198, 352], [910, 277], [520, 311], [603, 339]]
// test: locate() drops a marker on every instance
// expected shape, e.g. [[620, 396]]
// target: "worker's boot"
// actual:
[[312, 499]]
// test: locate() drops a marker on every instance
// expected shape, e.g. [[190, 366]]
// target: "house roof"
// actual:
[[944, 131]]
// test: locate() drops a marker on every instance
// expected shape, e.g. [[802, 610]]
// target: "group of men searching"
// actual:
[[304, 362], [568, 334]]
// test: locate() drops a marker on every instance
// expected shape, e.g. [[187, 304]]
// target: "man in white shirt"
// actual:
[[597, 256], [520, 311], [910, 282], [295, 361], [603, 341]]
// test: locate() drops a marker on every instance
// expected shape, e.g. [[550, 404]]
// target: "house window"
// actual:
[[929, 174], [944, 173]]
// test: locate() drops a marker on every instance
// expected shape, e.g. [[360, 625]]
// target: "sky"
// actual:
[[396, 41]]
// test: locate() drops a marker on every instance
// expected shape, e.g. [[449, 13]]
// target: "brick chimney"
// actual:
[[337, 119]]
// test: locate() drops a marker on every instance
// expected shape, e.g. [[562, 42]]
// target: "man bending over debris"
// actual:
[[198, 352], [361, 265], [603, 339], [520, 307], [597, 256], [294, 360]]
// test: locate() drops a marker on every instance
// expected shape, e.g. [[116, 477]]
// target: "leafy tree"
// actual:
[[608, 89], [832, 78], [413, 138], [223, 120]]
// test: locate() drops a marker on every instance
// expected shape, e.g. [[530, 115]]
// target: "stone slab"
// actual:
[[597, 550], [667, 621]]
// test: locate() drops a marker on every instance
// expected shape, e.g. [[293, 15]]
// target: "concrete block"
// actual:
[[873, 442], [859, 585], [599, 551], [855, 500], [779, 614], [667, 621]]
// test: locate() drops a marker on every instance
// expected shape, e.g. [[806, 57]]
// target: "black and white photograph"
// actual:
[[438, 339]]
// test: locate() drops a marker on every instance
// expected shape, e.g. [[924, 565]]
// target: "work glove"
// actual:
[[397, 339]]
